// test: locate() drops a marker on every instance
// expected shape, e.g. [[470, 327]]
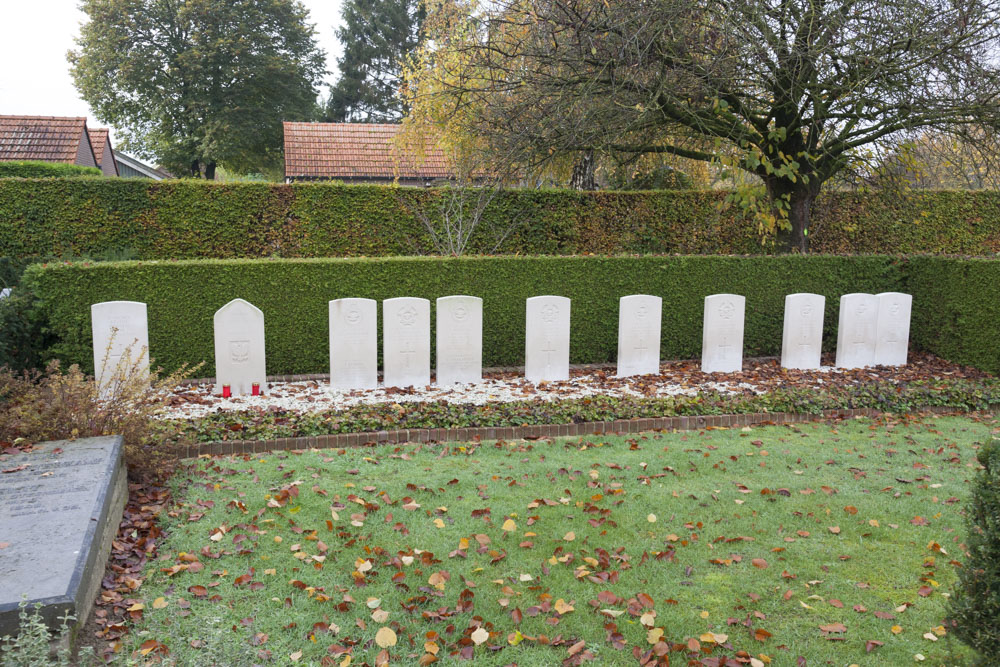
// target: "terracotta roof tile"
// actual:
[[356, 151], [47, 138], [98, 140]]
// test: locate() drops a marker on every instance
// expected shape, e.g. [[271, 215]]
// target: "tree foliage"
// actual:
[[196, 83], [378, 35], [975, 604], [786, 90]]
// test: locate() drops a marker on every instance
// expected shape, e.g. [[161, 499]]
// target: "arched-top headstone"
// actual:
[[239, 347], [892, 333], [121, 342], [459, 334], [546, 339], [722, 334], [639, 318], [856, 329], [353, 344], [406, 342], [802, 338]]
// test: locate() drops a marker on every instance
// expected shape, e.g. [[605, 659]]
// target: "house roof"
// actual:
[[155, 173], [356, 151], [98, 140], [47, 138]]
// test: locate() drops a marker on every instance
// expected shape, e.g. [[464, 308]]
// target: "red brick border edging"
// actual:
[[620, 426]]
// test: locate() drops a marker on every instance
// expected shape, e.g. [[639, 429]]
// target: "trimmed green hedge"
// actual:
[[39, 169], [182, 297], [956, 309], [189, 219]]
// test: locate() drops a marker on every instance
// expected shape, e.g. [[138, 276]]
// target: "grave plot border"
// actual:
[[532, 431]]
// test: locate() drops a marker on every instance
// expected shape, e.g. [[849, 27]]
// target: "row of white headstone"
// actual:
[[873, 330]]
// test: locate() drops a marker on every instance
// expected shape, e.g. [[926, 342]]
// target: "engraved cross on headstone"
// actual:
[[548, 349], [408, 351]]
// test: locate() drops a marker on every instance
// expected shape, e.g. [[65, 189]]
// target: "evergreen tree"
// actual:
[[377, 36]]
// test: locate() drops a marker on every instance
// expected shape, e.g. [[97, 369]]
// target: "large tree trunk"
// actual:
[[209, 171], [195, 169], [800, 199], [583, 172]]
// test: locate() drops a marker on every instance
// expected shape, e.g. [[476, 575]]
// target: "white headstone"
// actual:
[[893, 329], [239, 347], [459, 339], [639, 335], [121, 342], [6, 292], [353, 344], [802, 339], [546, 339], [856, 329], [406, 342], [722, 335]]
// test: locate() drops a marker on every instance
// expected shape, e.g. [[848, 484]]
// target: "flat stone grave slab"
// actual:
[[60, 506]]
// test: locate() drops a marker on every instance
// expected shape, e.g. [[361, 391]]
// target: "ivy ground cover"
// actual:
[[812, 544]]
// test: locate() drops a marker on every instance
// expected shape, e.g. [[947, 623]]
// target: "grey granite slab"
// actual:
[[58, 516]]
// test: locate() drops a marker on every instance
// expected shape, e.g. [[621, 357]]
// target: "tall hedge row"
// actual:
[[182, 297], [39, 169], [956, 309], [187, 219]]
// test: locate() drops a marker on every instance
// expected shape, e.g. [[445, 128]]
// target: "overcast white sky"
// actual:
[[36, 34]]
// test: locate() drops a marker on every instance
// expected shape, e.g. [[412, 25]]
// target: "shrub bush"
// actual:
[[975, 602], [57, 404], [187, 219], [38, 169], [182, 297]]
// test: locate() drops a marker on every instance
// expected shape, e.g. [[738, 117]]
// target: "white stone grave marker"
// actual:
[[802, 339], [239, 348], [722, 335], [546, 339], [459, 339], [353, 344], [892, 333], [856, 329], [639, 335], [406, 342], [121, 341]]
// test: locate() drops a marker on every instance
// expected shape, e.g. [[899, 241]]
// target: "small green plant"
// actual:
[[975, 604], [32, 647]]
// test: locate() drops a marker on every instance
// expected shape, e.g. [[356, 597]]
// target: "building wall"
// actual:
[[108, 161], [85, 154]]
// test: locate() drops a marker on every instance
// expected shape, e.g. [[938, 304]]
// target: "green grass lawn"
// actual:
[[836, 543]]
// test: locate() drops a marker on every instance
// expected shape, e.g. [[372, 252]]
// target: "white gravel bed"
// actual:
[[314, 396]]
